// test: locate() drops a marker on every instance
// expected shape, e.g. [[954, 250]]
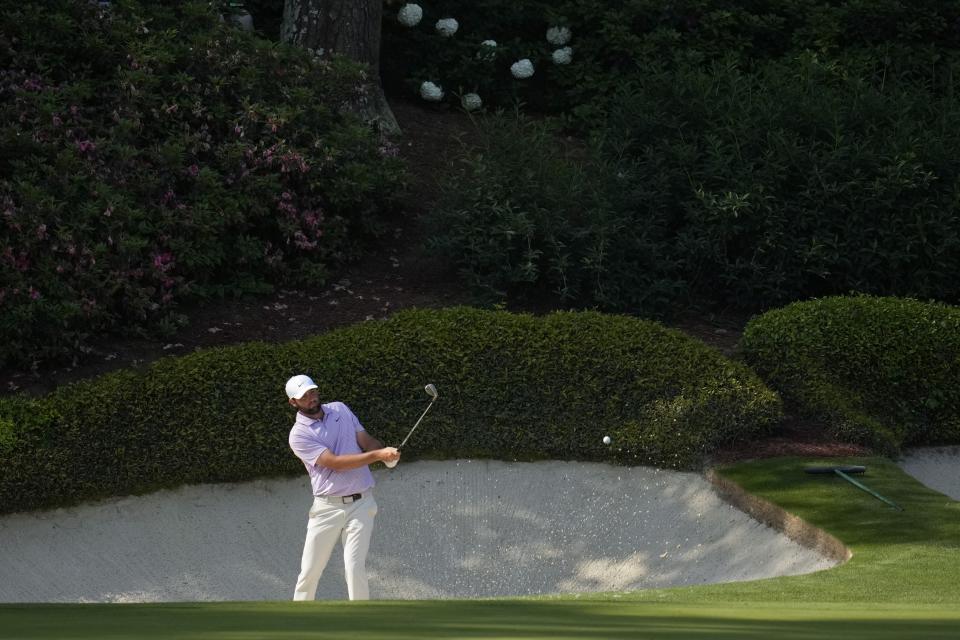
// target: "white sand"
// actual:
[[936, 467], [444, 529]]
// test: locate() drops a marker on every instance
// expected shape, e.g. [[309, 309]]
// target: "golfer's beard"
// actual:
[[312, 410]]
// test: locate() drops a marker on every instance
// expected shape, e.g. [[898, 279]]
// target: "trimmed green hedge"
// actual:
[[882, 371], [511, 387]]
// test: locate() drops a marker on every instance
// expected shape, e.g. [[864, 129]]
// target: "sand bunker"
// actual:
[[936, 467], [444, 530]]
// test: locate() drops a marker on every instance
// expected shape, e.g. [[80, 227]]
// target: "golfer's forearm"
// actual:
[[372, 445], [348, 461], [368, 442]]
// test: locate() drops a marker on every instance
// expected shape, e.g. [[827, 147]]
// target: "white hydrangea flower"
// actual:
[[558, 36], [431, 92], [447, 27], [563, 55], [522, 69], [410, 15], [471, 102], [488, 50]]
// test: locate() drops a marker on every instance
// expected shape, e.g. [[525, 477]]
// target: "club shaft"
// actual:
[[868, 490], [417, 423]]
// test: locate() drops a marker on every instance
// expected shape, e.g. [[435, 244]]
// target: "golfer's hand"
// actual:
[[388, 454]]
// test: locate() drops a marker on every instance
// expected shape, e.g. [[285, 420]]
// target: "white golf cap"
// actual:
[[299, 385]]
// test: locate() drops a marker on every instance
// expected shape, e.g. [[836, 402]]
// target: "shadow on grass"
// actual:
[[465, 619]]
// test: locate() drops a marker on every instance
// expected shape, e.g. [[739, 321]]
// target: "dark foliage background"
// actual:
[[152, 154]]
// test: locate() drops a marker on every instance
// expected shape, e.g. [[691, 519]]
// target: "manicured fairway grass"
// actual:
[[903, 582], [905, 557], [587, 618]]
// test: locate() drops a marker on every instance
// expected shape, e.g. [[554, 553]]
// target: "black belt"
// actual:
[[353, 497]]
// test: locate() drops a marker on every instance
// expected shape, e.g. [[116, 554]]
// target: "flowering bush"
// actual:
[[471, 102], [488, 51], [489, 37], [558, 36], [410, 15], [161, 157], [431, 92], [447, 27], [522, 69], [616, 41], [563, 55]]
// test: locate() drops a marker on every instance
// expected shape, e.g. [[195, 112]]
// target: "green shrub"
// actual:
[[512, 387], [617, 42], [150, 155], [527, 211], [803, 177], [881, 371]]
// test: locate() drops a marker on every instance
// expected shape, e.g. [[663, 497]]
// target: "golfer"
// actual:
[[336, 450]]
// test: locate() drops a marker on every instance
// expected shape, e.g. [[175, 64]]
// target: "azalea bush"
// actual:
[[163, 156]]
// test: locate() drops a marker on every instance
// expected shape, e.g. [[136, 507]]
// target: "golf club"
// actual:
[[432, 392]]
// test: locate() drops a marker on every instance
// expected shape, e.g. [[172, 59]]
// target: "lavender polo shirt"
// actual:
[[337, 431]]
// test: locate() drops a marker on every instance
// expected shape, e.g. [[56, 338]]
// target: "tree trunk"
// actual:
[[345, 27]]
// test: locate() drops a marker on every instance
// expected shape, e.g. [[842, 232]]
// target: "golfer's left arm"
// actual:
[[367, 442]]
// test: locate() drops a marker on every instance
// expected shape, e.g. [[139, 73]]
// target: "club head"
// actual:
[[431, 391]]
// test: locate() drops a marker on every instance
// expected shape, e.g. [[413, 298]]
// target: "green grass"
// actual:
[[903, 582], [586, 618], [899, 557]]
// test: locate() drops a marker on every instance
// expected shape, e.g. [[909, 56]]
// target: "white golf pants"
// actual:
[[331, 520]]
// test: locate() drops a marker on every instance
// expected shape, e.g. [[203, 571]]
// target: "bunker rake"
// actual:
[[844, 472]]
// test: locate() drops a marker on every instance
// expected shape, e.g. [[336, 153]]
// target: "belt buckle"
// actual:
[[351, 498]]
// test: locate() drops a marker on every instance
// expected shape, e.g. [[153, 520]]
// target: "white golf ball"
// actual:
[[607, 440]]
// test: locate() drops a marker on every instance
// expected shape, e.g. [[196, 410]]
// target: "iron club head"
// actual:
[[432, 392]]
